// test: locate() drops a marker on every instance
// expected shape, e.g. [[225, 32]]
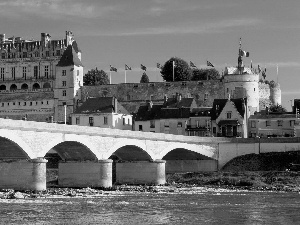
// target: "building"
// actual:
[[265, 124], [37, 78], [105, 112], [170, 117], [229, 118], [199, 123]]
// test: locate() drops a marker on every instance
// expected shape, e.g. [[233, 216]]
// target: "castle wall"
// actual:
[[204, 92]]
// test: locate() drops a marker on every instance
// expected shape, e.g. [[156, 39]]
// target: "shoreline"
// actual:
[[200, 182]]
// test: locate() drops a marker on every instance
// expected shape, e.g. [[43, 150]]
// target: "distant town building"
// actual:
[[229, 118], [105, 112], [265, 124], [37, 78]]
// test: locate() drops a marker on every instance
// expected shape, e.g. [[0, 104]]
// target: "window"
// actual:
[[124, 121], [36, 54], [280, 122], [3, 55], [77, 72], [64, 83], [166, 123], [152, 124], [46, 71], [24, 103], [35, 71], [58, 52], [205, 96], [13, 72], [30, 103], [179, 124], [140, 127], [253, 124], [64, 103], [2, 104], [13, 55], [292, 123], [77, 120], [105, 121], [24, 71], [229, 115], [64, 73], [64, 93], [91, 121], [47, 54], [268, 123], [2, 72], [197, 123], [24, 54]]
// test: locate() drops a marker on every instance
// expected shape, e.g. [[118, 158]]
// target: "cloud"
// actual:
[[55, 9], [188, 28]]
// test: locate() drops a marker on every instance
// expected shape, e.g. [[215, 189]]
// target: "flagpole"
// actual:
[[277, 73], [173, 71], [110, 77], [125, 76]]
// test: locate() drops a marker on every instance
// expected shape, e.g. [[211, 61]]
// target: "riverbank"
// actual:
[[283, 181]]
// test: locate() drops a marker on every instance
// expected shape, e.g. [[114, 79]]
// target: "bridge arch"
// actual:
[[74, 141], [127, 142], [205, 150], [15, 139]]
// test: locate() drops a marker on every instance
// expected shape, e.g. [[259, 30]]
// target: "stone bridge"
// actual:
[[91, 156]]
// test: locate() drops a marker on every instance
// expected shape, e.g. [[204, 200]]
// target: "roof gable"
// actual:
[[69, 58], [237, 105]]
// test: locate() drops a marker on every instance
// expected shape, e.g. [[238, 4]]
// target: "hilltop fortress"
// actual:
[[43, 80]]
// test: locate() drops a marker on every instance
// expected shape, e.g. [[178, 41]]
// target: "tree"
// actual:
[[182, 70], [205, 74], [95, 77], [277, 108], [144, 78]]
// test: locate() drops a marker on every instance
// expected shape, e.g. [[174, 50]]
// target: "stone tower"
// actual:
[[242, 82], [69, 79]]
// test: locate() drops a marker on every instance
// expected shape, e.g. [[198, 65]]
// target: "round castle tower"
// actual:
[[242, 82]]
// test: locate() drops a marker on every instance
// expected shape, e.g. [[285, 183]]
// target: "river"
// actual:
[[186, 207]]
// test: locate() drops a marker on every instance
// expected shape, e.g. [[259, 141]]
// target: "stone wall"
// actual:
[[204, 92]]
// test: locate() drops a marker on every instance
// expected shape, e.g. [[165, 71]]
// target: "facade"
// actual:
[[170, 117], [105, 112], [199, 123], [229, 118], [38, 77], [272, 125]]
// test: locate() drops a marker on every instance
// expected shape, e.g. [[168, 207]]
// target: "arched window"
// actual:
[[36, 86], [24, 87], [2, 87], [13, 87], [46, 85]]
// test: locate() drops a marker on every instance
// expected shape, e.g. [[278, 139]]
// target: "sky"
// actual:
[[135, 32]]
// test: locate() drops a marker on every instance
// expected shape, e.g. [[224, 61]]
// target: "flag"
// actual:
[[158, 65], [113, 69], [259, 70], [209, 64], [277, 69], [251, 64], [127, 67], [143, 67], [192, 64], [244, 53]]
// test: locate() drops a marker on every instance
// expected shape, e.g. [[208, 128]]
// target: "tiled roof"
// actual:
[[198, 112], [172, 108], [219, 104], [69, 58], [33, 96], [100, 105], [144, 113]]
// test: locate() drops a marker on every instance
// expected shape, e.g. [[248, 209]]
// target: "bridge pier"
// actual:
[[23, 174], [141, 172], [85, 174]]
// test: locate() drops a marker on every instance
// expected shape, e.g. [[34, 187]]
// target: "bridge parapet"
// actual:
[[105, 132]]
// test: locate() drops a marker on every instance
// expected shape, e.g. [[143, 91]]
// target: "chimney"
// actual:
[[165, 98], [150, 104], [115, 102]]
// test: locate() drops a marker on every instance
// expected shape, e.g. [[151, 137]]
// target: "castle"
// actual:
[[43, 81]]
